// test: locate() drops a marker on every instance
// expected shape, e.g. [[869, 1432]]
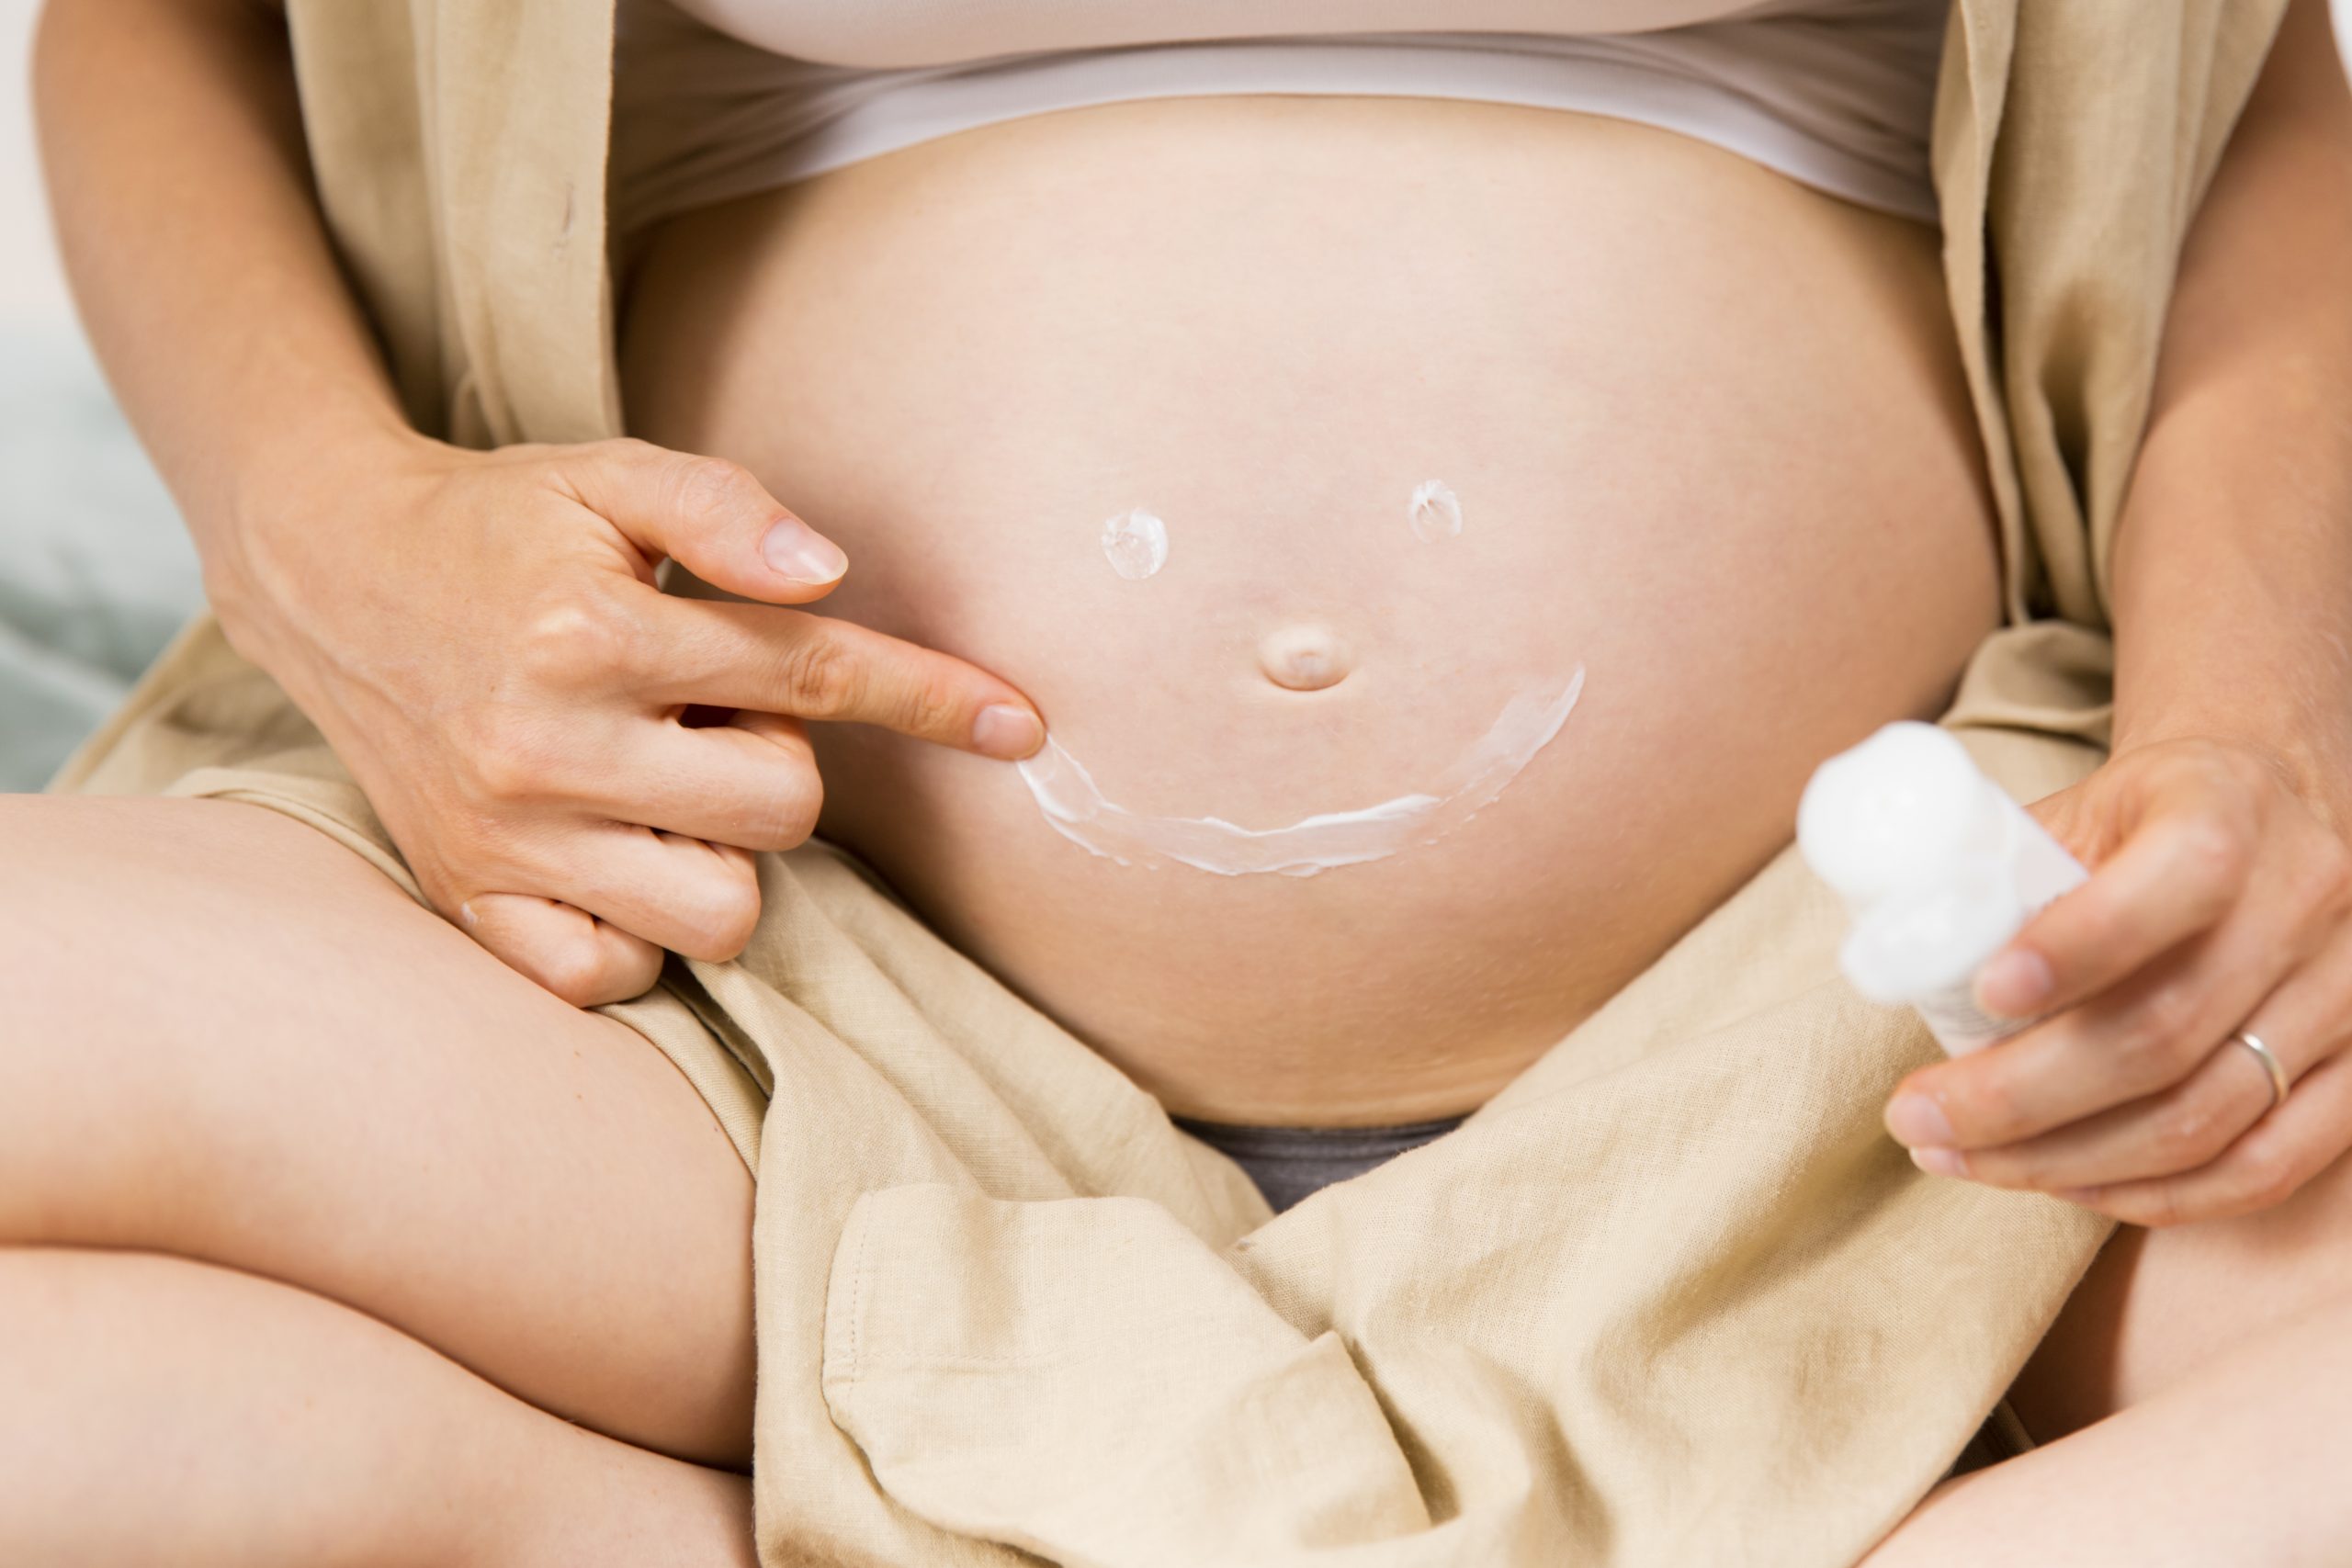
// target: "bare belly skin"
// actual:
[[1705, 429]]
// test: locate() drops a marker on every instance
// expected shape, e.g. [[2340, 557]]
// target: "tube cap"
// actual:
[[1899, 810]]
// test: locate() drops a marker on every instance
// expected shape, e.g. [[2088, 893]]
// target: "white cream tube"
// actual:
[[1938, 866]]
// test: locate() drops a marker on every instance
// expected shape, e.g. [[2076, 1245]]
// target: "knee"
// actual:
[[113, 857], [107, 903], [128, 928], [67, 903], [117, 907]]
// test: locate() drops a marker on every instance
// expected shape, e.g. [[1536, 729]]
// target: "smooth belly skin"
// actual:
[[1710, 440]]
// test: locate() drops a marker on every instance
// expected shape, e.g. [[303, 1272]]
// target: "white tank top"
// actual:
[[718, 98]]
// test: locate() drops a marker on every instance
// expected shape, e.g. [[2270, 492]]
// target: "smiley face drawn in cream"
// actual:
[[1137, 544], [1078, 810], [1300, 658]]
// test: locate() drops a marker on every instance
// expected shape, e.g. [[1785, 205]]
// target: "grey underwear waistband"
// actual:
[[1289, 1163]]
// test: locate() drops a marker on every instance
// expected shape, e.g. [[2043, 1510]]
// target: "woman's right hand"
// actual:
[[480, 638]]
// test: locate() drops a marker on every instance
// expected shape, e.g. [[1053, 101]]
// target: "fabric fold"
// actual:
[[1673, 1297], [1087, 1379]]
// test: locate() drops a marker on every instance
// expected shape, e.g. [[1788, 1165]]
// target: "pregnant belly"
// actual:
[[1442, 538]]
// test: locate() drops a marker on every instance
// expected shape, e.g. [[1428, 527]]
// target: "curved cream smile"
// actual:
[[1078, 809]]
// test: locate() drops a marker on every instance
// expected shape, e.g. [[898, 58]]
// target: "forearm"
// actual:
[[176, 172], [2233, 563]]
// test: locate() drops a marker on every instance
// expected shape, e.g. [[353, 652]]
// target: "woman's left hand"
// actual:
[[2219, 900]]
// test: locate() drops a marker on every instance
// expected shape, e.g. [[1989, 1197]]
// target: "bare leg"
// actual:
[[2194, 1401], [228, 1039], [2157, 1305], [2241, 1460], [160, 1410]]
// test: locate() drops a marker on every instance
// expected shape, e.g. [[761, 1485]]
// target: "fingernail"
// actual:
[[801, 553], [2015, 983], [2083, 1195], [1914, 1119], [1940, 1162], [1007, 732]]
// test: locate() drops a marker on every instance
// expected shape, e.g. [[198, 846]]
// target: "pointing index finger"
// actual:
[[820, 666]]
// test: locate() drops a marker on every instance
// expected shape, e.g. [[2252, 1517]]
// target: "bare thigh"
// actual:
[[2157, 1305], [229, 1039]]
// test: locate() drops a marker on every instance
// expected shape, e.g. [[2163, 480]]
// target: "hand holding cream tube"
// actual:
[[1939, 868]]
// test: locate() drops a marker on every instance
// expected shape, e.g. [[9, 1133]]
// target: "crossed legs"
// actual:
[[325, 1238]]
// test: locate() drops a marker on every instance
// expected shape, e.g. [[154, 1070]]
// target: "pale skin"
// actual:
[[464, 1243]]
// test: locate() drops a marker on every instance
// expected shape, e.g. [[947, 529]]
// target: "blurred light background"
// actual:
[[95, 572]]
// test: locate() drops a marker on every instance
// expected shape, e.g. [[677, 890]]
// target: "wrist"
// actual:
[[2312, 753], [293, 514]]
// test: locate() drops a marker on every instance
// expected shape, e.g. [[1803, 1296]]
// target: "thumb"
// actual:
[[714, 519], [2073, 815]]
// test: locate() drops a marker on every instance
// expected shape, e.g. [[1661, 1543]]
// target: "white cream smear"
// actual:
[[1434, 513], [1137, 542], [1078, 810]]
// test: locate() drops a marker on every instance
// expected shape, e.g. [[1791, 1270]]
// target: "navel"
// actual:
[[1303, 658]]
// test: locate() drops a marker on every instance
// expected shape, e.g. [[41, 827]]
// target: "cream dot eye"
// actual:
[[1136, 543], [1434, 513]]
